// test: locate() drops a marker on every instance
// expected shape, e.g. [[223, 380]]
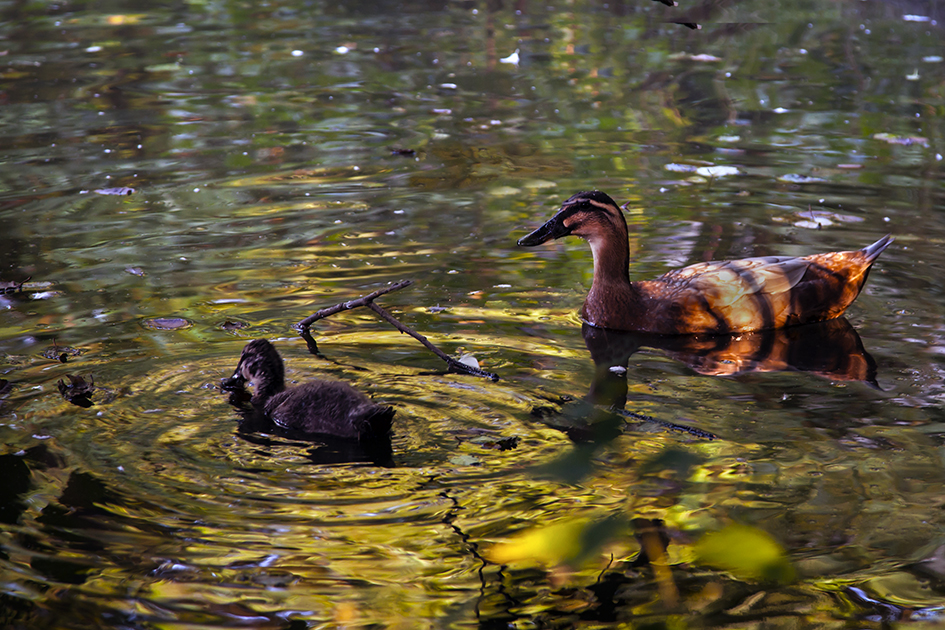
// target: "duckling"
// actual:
[[712, 297], [319, 407]]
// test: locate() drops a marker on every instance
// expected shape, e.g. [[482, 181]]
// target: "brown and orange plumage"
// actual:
[[713, 297]]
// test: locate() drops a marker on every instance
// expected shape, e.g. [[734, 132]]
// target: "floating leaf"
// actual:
[[114, 191], [705, 58], [470, 360], [813, 224], [512, 59], [167, 323], [716, 171], [903, 140], [464, 460], [747, 553], [816, 219], [793, 178]]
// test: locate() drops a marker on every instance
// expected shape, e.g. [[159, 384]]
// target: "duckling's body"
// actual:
[[713, 297], [318, 407]]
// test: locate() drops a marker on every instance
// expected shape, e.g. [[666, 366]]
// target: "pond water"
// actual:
[[180, 178]]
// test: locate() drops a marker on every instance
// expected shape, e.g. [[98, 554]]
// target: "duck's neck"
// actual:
[[265, 387], [613, 300]]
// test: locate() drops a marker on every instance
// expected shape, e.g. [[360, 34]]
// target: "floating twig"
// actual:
[[368, 300], [347, 306], [454, 365]]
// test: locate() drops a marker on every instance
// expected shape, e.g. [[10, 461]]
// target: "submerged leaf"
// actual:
[[571, 466], [679, 461], [567, 542], [747, 552]]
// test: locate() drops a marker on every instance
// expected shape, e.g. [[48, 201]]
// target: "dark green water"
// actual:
[[286, 156]]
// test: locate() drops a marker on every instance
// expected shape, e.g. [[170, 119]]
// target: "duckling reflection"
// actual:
[[321, 408], [831, 349]]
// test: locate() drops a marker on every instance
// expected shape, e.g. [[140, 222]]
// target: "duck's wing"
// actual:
[[735, 295], [761, 293], [733, 280]]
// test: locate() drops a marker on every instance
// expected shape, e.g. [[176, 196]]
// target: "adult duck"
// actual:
[[712, 297], [316, 407]]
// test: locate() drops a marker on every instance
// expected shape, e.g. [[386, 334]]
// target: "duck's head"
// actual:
[[261, 365], [590, 215]]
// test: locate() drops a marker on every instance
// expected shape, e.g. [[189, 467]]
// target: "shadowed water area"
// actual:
[[179, 178]]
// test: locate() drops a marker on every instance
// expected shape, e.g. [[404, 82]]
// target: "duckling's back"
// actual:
[[330, 408]]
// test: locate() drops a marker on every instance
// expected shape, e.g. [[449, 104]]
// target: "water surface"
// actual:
[[179, 179]]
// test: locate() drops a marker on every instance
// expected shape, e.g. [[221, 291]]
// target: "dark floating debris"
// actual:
[[55, 355], [78, 391], [167, 323], [7, 288], [60, 353], [232, 324]]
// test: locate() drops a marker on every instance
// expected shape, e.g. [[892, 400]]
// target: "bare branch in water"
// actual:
[[454, 365], [368, 301], [347, 306]]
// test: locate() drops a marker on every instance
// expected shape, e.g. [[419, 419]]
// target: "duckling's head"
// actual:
[[591, 215], [261, 365]]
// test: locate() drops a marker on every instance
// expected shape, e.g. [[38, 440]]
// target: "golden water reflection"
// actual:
[[830, 349]]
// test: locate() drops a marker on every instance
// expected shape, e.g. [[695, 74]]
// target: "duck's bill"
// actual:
[[234, 382], [552, 229]]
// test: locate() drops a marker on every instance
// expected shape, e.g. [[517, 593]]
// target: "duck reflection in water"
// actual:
[[348, 424], [831, 349]]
